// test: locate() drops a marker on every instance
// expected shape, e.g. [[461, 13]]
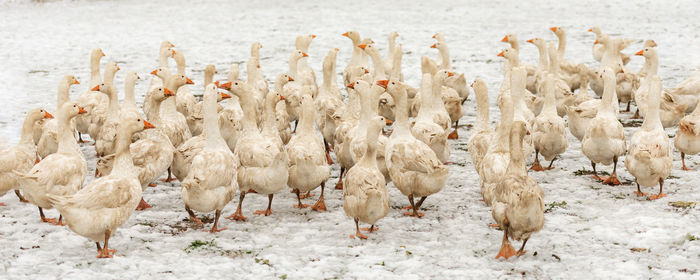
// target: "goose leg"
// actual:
[[44, 219], [106, 252], [21, 198], [370, 229], [59, 222], [454, 134], [170, 177], [507, 249], [522, 249], [415, 212], [550, 167], [639, 191], [328, 152], [80, 138], [636, 114], [612, 179], [267, 211], [306, 195], [193, 217], [661, 191], [320, 205], [215, 228], [357, 232], [299, 204], [595, 173], [420, 202], [339, 185], [628, 106], [536, 166], [683, 160], [238, 216], [99, 248]]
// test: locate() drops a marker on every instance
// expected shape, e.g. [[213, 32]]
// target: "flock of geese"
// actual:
[[385, 131]]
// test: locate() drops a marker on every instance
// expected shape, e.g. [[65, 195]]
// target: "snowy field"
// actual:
[[600, 231]]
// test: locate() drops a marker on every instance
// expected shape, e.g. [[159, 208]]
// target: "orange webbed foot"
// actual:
[[215, 230], [537, 167], [596, 177], [494, 226], [320, 205], [106, 253], [358, 235], [411, 214], [369, 229], [299, 206], [640, 194], [49, 220], [237, 217], [685, 168], [152, 185], [252, 191], [3, 204], [611, 180], [520, 253], [453, 135], [168, 180], [506, 251], [196, 220], [306, 195], [266, 212], [657, 196], [58, 223], [143, 205]]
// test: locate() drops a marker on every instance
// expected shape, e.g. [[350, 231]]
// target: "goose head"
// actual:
[[71, 109], [650, 43], [510, 54], [37, 114], [557, 31], [129, 125], [595, 30], [605, 40], [366, 41], [441, 75], [647, 52], [255, 49], [368, 48], [166, 44], [159, 94], [538, 42], [393, 35], [210, 70], [440, 46], [329, 61], [112, 68], [438, 36], [608, 75], [69, 80], [180, 80], [96, 54], [479, 85], [303, 42], [132, 76], [354, 36], [283, 79], [178, 56], [298, 54], [393, 87], [102, 87], [510, 39], [233, 72], [161, 72]]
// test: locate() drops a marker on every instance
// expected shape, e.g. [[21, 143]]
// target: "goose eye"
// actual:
[[73, 106], [138, 120]]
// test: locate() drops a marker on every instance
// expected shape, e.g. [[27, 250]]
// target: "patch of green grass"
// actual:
[[583, 171], [200, 244], [683, 204], [263, 261], [691, 237], [553, 205]]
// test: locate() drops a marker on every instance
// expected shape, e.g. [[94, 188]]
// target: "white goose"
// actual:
[[308, 167], [20, 157], [329, 103], [365, 197], [104, 143], [305, 74], [48, 140], [105, 204], [212, 180], [151, 153], [357, 137], [549, 136], [347, 123], [687, 139], [520, 109], [386, 103], [281, 115], [650, 156], [512, 39], [99, 106], [263, 161], [413, 166], [604, 140], [90, 97], [195, 119], [184, 99], [164, 53], [356, 60], [292, 90], [480, 139], [60, 173], [495, 161], [424, 126], [231, 117]]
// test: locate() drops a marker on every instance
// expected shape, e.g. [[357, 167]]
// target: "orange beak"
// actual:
[[81, 110], [216, 83], [337, 49], [554, 29], [500, 54], [388, 122], [351, 85], [168, 92], [173, 52], [75, 82], [47, 115], [622, 70], [590, 29], [346, 34], [258, 66], [528, 132], [596, 42], [304, 54], [225, 86], [171, 45], [371, 41], [291, 79], [363, 46], [281, 98], [118, 68], [189, 82], [471, 85], [383, 83], [261, 46], [154, 72], [505, 39], [313, 36], [434, 35], [450, 74], [433, 46], [103, 53], [530, 40], [96, 88], [639, 52], [147, 125], [225, 96]]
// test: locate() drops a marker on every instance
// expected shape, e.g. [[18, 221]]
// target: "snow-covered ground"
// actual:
[[601, 231]]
